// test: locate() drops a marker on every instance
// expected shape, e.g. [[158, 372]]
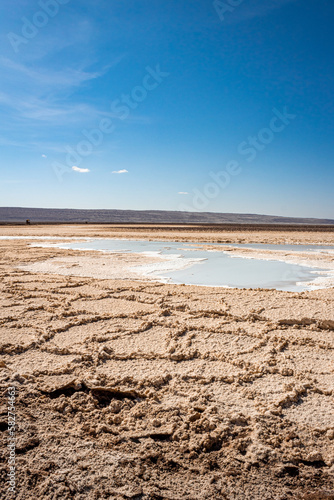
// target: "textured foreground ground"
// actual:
[[149, 391]]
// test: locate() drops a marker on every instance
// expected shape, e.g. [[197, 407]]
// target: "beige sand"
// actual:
[[134, 389]]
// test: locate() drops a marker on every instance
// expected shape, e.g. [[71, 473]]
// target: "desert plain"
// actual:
[[128, 388]]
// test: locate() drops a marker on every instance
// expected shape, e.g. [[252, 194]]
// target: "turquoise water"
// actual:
[[202, 267]]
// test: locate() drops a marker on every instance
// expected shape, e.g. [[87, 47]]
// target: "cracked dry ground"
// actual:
[[150, 391]]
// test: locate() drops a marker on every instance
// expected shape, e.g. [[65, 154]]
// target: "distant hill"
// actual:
[[52, 215]]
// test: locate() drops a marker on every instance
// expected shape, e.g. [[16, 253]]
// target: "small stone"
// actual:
[[287, 372], [115, 407]]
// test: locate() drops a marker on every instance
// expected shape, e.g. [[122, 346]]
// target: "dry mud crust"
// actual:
[[151, 391]]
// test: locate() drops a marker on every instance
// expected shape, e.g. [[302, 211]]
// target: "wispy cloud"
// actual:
[[8, 142], [42, 94], [55, 39], [182, 192], [24, 103], [120, 171], [68, 77], [49, 109], [81, 170]]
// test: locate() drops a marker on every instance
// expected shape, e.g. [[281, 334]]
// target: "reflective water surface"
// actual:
[[202, 267]]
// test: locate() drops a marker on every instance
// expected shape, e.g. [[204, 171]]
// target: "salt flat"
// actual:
[[135, 389]]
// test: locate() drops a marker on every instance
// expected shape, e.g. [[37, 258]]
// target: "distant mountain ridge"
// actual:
[[60, 215]]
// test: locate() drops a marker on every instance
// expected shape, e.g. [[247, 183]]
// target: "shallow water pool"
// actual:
[[202, 267]]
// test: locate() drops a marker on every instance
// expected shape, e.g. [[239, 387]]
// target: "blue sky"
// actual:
[[151, 102]]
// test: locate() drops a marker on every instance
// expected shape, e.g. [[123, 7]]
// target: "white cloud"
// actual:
[[44, 156], [81, 170], [182, 192], [120, 171]]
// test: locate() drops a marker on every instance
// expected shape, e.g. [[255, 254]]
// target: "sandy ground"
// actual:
[[141, 390]]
